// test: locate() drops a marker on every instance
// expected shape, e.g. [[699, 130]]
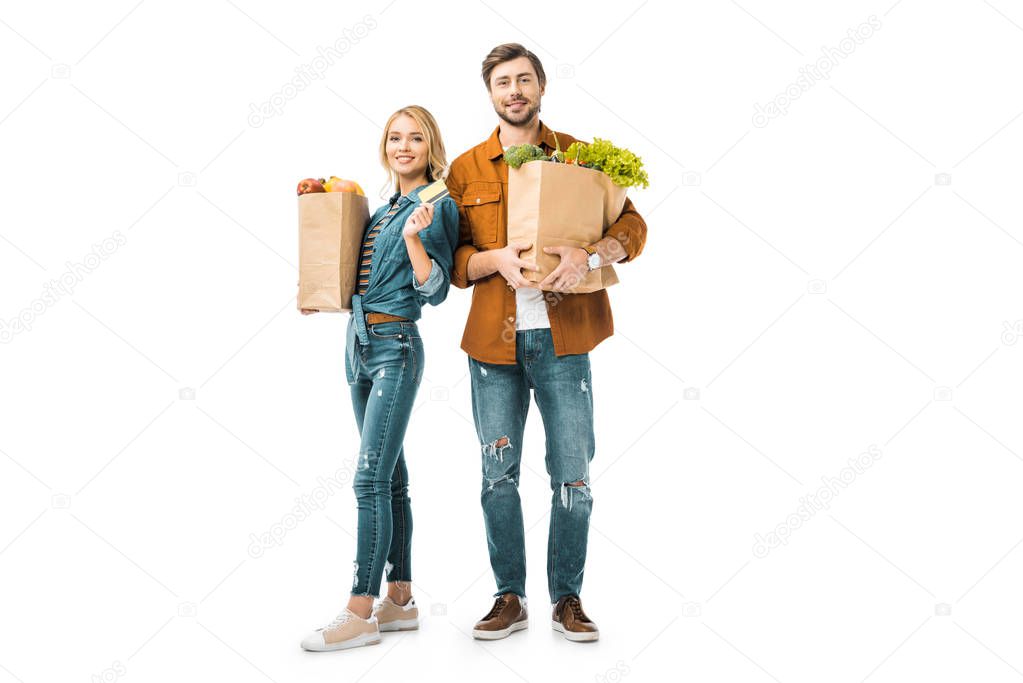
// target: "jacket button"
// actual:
[[511, 320], [477, 200]]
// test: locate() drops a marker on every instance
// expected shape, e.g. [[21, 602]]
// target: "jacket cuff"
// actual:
[[433, 282]]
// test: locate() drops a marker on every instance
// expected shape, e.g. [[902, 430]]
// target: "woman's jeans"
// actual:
[[384, 373], [561, 386]]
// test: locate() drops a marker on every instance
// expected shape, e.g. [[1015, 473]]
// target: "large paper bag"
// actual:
[[330, 230], [554, 204]]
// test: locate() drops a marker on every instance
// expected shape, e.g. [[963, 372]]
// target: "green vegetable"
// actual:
[[516, 155], [624, 167], [577, 153]]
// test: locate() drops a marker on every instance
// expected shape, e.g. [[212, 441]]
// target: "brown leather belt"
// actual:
[[377, 318]]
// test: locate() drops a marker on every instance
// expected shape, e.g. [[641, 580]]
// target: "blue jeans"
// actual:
[[384, 373], [561, 386]]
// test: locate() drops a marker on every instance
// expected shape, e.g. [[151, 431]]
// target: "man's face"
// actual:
[[515, 91]]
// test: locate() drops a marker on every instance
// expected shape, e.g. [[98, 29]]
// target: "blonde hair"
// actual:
[[436, 163]]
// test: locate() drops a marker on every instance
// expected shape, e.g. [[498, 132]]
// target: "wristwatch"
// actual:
[[593, 260]]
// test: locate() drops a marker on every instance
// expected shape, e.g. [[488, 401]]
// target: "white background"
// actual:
[[816, 285]]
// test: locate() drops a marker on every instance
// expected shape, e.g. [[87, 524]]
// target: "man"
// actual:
[[518, 338]]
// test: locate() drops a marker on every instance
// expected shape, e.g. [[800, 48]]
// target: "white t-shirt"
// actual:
[[530, 308]]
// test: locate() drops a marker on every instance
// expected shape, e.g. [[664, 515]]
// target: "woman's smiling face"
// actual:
[[407, 150]]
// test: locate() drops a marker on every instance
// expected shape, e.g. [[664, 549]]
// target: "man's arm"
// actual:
[[481, 264], [624, 239], [471, 264], [460, 276]]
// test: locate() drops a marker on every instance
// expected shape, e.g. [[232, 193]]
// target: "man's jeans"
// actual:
[[500, 401], [384, 373]]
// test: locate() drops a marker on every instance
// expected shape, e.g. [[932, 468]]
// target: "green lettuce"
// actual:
[[624, 167]]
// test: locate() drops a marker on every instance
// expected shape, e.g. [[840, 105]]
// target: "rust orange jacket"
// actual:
[[478, 182]]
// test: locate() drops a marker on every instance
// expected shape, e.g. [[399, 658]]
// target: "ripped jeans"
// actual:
[[500, 401], [384, 375]]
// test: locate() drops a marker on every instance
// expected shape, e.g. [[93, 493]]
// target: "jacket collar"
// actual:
[[412, 196], [494, 149]]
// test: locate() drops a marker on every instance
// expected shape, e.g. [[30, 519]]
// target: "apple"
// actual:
[[336, 184], [310, 185]]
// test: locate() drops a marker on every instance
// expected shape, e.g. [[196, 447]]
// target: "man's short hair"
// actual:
[[506, 53]]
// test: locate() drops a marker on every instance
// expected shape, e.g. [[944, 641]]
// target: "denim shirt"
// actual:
[[392, 284]]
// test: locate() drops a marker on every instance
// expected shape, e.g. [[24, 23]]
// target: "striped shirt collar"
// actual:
[[413, 196]]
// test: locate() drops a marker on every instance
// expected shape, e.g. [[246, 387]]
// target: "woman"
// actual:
[[406, 261]]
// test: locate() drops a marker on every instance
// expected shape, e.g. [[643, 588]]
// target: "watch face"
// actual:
[[593, 261]]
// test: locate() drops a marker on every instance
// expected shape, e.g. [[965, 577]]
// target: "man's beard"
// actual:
[[522, 117]]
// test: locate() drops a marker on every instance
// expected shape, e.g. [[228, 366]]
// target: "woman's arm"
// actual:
[[420, 219], [439, 240]]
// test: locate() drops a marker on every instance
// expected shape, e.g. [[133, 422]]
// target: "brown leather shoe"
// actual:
[[572, 622], [506, 616]]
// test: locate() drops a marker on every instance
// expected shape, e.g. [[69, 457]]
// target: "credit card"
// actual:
[[434, 192]]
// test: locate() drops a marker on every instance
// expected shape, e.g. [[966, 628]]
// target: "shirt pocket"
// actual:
[[389, 245], [484, 208]]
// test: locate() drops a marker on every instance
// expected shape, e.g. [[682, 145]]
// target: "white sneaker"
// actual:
[[394, 617], [347, 630]]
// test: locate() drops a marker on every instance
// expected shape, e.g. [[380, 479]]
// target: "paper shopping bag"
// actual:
[[330, 231], [554, 204]]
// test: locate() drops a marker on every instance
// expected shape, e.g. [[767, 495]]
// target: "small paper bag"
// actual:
[[330, 231]]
